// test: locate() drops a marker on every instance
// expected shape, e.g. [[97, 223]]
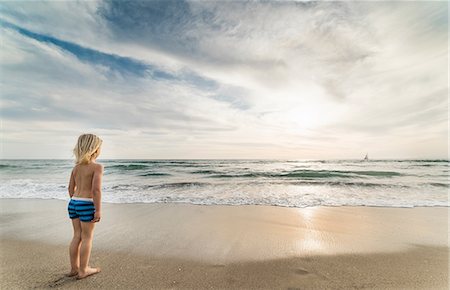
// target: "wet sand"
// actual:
[[170, 246]]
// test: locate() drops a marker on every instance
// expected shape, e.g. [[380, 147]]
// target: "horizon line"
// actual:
[[304, 159]]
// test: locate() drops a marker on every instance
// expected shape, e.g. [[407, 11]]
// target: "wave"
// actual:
[[154, 174], [414, 160], [32, 166], [430, 160], [206, 172], [184, 165], [8, 166], [269, 183], [138, 165], [347, 184], [438, 184], [375, 173], [121, 186], [128, 166], [255, 181], [176, 184], [313, 174]]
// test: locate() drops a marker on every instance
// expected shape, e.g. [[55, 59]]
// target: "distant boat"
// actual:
[[367, 157]]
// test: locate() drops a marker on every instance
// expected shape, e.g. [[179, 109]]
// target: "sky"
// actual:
[[225, 79]]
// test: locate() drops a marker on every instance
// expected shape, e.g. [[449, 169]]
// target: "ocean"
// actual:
[[289, 183]]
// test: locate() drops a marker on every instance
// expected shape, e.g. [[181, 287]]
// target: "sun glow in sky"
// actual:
[[217, 79]]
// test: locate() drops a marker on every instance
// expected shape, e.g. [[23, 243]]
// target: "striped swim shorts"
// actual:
[[82, 208]]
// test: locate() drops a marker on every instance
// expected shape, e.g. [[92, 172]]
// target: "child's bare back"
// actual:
[[83, 175]]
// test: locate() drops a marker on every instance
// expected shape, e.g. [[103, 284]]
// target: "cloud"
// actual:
[[113, 62], [201, 78]]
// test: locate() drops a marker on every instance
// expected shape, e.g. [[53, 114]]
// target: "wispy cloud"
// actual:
[[202, 79], [113, 62]]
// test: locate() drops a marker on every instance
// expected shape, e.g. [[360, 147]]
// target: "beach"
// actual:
[[186, 246]]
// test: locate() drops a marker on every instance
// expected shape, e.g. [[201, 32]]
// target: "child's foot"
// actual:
[[89, 271], [72, 273]]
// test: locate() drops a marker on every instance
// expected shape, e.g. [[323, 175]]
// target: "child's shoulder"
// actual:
[[75, 167], [98, 166], [94, 165]]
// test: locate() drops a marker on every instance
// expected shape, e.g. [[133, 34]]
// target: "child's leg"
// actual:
[[74, 249], [87, 232]]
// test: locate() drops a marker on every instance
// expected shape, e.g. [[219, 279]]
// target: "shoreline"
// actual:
[[220, 204], [229, 246]]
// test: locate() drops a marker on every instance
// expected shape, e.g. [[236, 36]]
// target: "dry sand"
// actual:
[[166, 246]]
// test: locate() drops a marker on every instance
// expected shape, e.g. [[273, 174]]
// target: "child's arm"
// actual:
[[72, 184], [97, 192]]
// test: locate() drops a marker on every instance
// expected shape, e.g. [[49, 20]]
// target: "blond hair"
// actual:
[[87, 148]]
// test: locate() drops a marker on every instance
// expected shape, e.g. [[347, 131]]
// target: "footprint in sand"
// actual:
[[59, 282], [301, 272]]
